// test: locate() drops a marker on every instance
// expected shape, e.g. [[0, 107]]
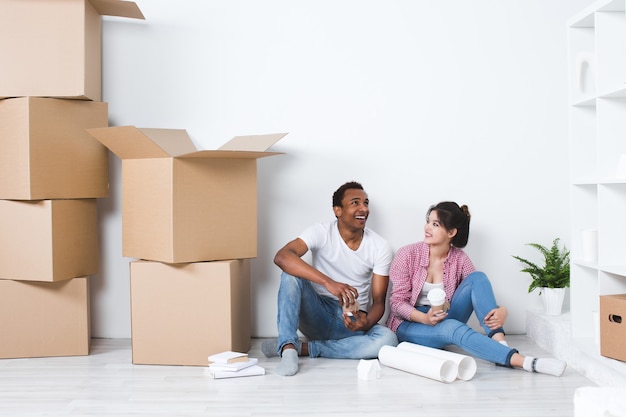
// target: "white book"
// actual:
[[234, 366], [228, 357], [249, 371]]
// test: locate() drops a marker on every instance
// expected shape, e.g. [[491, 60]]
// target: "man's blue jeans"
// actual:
[[320, 319], [474, 294]]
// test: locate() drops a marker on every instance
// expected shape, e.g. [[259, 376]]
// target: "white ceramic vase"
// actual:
[[552, 300]]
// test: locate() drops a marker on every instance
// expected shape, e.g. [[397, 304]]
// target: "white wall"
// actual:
[[421, 101]]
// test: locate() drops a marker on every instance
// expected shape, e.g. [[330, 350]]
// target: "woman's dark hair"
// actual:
[[341, 191], [451, 216]]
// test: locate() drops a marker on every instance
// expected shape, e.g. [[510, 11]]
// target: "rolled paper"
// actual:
[[432, 367], [466, 365]]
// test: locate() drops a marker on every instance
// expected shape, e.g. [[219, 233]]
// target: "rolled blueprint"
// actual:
[[466, 364], [432, 367]]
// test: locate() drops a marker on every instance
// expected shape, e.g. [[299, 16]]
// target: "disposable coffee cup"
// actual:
[[352, 309], [437, 299]]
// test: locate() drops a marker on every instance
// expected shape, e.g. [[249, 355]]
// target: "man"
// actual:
[[337, 301]]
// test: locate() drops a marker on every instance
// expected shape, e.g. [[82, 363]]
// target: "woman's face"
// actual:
[[435, 233]]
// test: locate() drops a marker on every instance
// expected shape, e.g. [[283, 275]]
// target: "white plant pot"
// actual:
[[552, 300]]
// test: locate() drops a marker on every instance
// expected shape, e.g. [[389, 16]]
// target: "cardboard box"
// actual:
[[53, 48], [45, 151], [182, 313], [183, 205], [613, 326], [44, 318], [48, 240]]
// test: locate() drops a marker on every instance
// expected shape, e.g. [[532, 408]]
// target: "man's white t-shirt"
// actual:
[[333, 257]]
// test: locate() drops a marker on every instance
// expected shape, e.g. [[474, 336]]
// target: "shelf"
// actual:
[[585, 102], [614, 181], [585, 264], [618, 92], [611, 269], [586, 18], [597, 128], [614, 269]]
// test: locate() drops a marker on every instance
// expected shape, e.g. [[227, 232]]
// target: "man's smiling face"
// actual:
[[354, 209]]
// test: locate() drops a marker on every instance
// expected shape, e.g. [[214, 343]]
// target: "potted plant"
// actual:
[[552, 278]]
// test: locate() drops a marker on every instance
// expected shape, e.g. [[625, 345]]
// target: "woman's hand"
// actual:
[[496, 318], [431, 318], [435, 316]]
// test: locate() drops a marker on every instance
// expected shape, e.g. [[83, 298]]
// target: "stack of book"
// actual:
[[231, 364]]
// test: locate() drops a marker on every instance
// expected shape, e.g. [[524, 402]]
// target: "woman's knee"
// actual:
[[450, 329], [477, 276]]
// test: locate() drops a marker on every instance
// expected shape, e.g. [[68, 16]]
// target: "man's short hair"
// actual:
[[341, 191]]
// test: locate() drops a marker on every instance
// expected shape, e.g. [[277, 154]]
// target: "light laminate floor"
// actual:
[[105, 383]]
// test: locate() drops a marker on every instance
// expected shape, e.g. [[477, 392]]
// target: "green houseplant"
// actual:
[[552, 277]]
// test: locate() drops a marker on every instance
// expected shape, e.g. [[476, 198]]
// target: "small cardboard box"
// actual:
[[183, 205], [53, 48], [613, 326], [44, 318], [182, 313], [45, 151], [48, 240]]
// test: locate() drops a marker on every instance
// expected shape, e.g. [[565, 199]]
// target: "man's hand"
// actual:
[[346, 294], [358, 321]]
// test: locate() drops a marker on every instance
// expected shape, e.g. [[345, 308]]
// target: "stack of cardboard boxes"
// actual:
[[51, 171], [190, 217]]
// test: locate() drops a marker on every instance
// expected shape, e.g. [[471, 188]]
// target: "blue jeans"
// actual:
[[473, 294], [320, 319]]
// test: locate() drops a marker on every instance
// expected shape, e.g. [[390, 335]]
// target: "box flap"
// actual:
[[117, 8], [257, 143], [129, 142], [229, 154]]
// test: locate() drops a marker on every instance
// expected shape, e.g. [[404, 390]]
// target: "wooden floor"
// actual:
[[105, 383]]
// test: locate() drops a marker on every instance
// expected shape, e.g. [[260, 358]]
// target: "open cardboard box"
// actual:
[[53, 48], [45, 152], [184, 205]]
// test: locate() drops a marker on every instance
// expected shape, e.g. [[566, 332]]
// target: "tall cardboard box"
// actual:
[[45, 151], [183, 205], [182, 313], [613, 326], [44, 318], [48, 240], [53, 48]]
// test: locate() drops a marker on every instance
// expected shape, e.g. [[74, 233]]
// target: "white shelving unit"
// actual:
[[597, 133]]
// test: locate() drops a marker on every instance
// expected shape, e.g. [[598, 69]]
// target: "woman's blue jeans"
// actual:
[[320, 319], [473, 294]]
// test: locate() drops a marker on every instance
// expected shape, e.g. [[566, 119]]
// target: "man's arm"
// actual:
[[289, 259], [380, 283]]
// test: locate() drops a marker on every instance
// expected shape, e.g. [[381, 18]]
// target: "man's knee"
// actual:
[[289, 283], [383, 336]]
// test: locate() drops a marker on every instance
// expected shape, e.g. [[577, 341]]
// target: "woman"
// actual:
[[439, 262]]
